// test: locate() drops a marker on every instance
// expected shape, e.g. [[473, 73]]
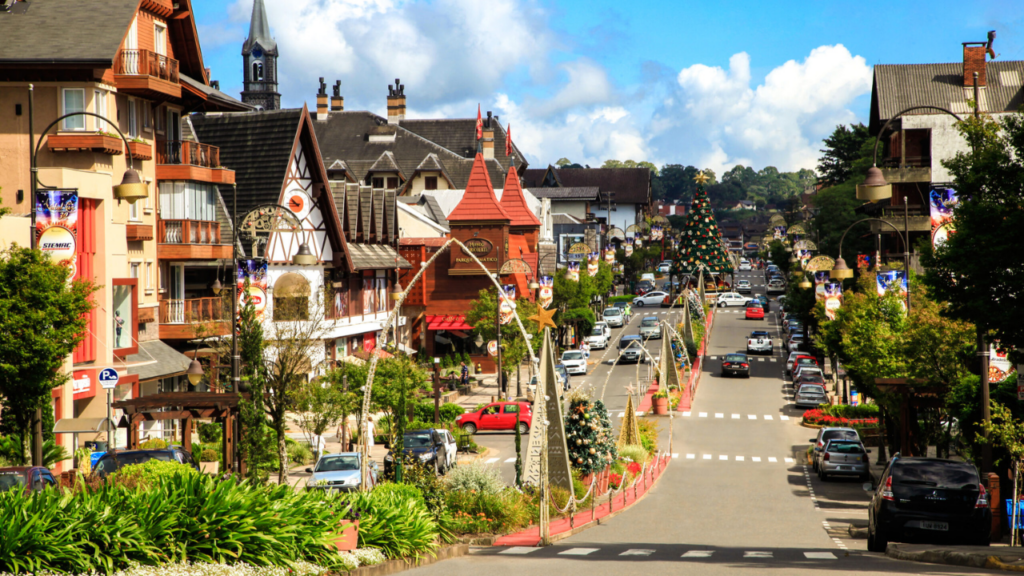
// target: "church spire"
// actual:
[[259, 30], [259, 59]]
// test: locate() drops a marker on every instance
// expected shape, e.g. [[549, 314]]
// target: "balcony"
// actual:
[[138, 232], [85, 142], [188, 160], [177, 318], [147, 74], [919, 219], [190, 240]]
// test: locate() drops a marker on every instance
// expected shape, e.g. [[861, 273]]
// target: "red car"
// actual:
[[755, 312], [27, 478], [497, 416]]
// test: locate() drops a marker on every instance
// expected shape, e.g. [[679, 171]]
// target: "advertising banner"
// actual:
[[592, 266], [547, 291], [833, 299], [942, 201], [638, 242], [57, 227], [820, 279], [895, 280], [507, 303], [779, 233], [804, 256], [609, 256], [656, 233], [999, 367], [628, 248], [256, 273], [574, 271]]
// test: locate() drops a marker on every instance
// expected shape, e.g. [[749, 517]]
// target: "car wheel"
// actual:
[[437, 468], [469, 428], [876, 542], [523, 428], [640, 303]]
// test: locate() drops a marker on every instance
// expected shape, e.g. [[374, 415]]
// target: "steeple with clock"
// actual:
[[259, 59]]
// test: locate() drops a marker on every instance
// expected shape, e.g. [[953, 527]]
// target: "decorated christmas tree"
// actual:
[[701, 240], [588, 435]]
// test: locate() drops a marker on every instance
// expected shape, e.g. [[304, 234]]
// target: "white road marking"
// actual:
[[686, 414], [640, 412], [491, 461], [735, 416], [755, 458], [691, 456], [510, 460], [751, 417], [820, 556], [698, 554], [750, 554], [703, 414], [637, 552], [519, 550], [622, 414], [773, 359], [719, 415], [675, 455], [707, 456], [772, 459], [767, 416], [790, 461], [578, 551], [783, 417], [723, 457], [739, 458]]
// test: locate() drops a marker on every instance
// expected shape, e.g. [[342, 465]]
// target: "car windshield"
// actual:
[[936, 474], [753, 304], [806, 362], [613, 312], [648, 322], [337, 464], [11, 480], [107, 465], [572, 356], [419, 440], [843, 447], [757, 334], [735, 358], [812, 390], [597, 332]]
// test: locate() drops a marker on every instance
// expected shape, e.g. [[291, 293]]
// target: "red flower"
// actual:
[[634, 468]]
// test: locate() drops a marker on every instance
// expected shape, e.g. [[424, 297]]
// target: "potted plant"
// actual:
[[660, 400], [348, 532], [209, 462]]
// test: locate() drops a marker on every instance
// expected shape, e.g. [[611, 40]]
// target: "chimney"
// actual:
[[396, 102], [321, 101], [215, 84], [974, 61], [488, 141], [337, 100]]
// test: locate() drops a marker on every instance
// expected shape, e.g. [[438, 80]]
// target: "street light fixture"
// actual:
[[533, 285], [840, 271], [216, 287], [805, 283], [304, 257], [195, 372], [874, 187], [396, 292], [131, 188]]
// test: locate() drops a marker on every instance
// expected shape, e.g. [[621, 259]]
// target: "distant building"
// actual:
[[627, 190]]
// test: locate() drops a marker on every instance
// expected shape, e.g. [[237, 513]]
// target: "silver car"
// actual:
[[650, 328], [843, 458], [338, 472], [827, 434], [811, 395], [612, 317]]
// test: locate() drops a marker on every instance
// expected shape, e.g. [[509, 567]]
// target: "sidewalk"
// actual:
[[993, 557]]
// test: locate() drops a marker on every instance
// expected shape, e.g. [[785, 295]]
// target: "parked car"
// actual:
[[826, 434], [763, 300], [613, 316], [775, 286], [664, 267], [731, 299], [644, 287], [795, 342], [929, 500], [575, 362], [338, 473], [113, 460], [809, 379], [630, 350], [647, 277], [650, 328], [795, 358], [431, 447], [560, 372], [604, 326], [754, 311], [810, 395], [497, 416], [789, 318], [27, 478], [743, 286], [597, 338], [736, 365], [804, 370], [745, 266], [760, 341], [843, 458], [650, 299]]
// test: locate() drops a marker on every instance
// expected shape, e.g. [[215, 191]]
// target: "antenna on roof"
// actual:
[[988, 47]]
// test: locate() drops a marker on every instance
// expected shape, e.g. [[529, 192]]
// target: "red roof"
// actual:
[[514, 203], [479, 201]]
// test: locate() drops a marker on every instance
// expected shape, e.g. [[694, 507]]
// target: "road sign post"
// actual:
[[108, 378]]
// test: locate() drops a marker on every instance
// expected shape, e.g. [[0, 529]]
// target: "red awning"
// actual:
[[447, 322]]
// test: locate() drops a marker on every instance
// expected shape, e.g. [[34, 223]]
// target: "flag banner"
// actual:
[[833, 299], [820, 279], [804, 256], [779, 233], [656, 233], [609, 256], [547, 291], [592, 266], [638, 242], [941, 202], [507, 304], [895, 280], [57, 227], [492, 347], [999, 367], [628, 248], [863, 261], [256, 273], [574, 271]]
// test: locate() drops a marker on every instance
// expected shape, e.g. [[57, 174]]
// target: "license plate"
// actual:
[[942, 526]]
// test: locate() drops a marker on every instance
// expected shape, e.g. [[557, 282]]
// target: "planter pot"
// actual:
[[209, 467], [348, 539], [140, 150], [660, 406]]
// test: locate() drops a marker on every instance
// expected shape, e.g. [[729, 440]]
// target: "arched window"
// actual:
[[291, 298], [257, 71]]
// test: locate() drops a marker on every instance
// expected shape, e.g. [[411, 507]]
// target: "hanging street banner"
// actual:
[[573, 271], [57, 227], [256, 273], [999, 367], [507, 304], [833, 299], [779, 233], [492, 348], [547, 291], [609, 256], [638, 242], [592, 266], [820, 279], [895, 280], [804, 256], [942, 201], [628, 248], [656, 233]]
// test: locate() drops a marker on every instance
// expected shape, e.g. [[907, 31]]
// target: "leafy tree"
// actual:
[[563, 162], [349, 400], [319, 406], [513, 348], [842, 149], [397, 383], [572, 299], [42, 318], [630, 164], [674, 183], [836, 205], [256, 441]]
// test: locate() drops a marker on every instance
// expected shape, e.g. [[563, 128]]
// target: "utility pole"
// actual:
[[983, 355], [37, 418], [497, 327], [437, 390]]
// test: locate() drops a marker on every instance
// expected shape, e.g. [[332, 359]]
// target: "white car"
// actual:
[[792, 358], [665, 267], [745, 267], [731, 299], [650, 299], [612, 317], [604, 326], [574, 362], [597, 338], [743, 286]]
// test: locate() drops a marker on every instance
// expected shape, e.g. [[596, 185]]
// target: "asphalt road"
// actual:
[[737, 497]]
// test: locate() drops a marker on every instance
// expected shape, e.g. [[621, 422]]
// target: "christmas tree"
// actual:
[[588, 434], [701, 240], [629, 435]]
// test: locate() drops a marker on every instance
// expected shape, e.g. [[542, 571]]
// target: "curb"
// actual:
[[953, 558], [403, 564]]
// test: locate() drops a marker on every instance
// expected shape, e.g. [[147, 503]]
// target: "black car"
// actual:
[[423, 446], [113, 461], [929, 500], [736, 365]]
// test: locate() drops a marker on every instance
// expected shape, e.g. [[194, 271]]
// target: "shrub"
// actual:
[[404, 490], [477, 512], [691, 348], [648, 434], [635, 453], [821, 417], [148, 473], [210, 432], [298, 452], [450, 411], [209, 456], [153, 444], [475, 476], [398, 525]]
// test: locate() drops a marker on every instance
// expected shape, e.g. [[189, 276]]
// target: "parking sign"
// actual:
[[108, 378]]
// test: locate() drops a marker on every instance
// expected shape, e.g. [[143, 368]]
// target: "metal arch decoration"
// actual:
[[820, 263], [797, 229], [803, 244], [776, 220], [616, 233], [515, 266], [260, 222], [578, 251], [633, 229], [661, 219], [645, 227]]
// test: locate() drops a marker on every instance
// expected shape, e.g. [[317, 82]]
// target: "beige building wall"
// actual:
[[418, 183]]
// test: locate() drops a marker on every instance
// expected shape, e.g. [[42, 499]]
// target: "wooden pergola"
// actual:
[[186, 407], [913, 394]]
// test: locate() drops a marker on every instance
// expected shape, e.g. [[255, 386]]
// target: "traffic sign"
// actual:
[[108, 378]]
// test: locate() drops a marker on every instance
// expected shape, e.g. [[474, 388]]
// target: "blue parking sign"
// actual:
[[108, 378]]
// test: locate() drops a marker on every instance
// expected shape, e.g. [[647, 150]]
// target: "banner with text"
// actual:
[[256, 273], [573, 271], [833, 299], [57, 227], [507, 303], [592, 266], [942, 201], [547, 291], [820, 279]]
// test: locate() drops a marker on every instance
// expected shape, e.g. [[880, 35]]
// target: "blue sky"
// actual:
[[712, 84]]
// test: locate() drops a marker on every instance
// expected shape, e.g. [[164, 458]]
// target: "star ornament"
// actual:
[[544, 318], [700, 178]]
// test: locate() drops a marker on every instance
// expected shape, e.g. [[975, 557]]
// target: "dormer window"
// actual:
[[257, 70]]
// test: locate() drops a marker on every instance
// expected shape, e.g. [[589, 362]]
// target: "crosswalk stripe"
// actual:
[[578, 551], [739, 458], [719, 415], [751, 417], [491, 461], [774, 359], [686, 414], [820, 556], [691, 456], [790, 461], [723, 457], [519, 550], [707, 456], [637, 552], [757, 554], [760, 359], [713, 358], [783, 417], [698, 554], [755, 458], [510, 460], [772, 459], [735, 416], [703, 415], [767, 416]]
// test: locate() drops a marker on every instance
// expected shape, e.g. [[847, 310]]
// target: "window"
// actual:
[[74, 101], [377, 183], [133, 120], [341, 349], [511, 408], [135, 269], [392, 183], [159, 38], [124, 323], [100, 105], [149, 275], [158, 119], [430, 183], [147, 116], [257, 71], [291, 298], [188, 200], [369, 296], [133, 211]]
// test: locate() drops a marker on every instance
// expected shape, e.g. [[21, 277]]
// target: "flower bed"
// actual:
[[818, 417]]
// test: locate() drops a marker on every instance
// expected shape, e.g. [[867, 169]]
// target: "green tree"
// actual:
[[482, 316], [256, 441], [42, 318], [319, 406], [563, 162], [836, 211], [842, 149]]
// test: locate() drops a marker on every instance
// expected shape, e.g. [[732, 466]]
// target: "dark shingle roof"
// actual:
[[66, 31], [257, 146], [630, 185], [575, 193], [216, 95], [901, 86], [426, 205]]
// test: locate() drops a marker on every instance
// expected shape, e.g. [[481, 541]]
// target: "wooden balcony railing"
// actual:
[[188, 153], [147, 63], [193, 310], [188, 232]]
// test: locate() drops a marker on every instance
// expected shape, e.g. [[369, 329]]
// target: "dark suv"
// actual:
[[929, 500], [113, 461]]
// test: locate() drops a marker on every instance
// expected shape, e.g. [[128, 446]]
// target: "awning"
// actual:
[[157, 360], [375, 257], [447, 322], [82, 425]]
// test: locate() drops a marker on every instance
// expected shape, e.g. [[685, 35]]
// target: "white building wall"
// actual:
[[624, 215], [946, 141]]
